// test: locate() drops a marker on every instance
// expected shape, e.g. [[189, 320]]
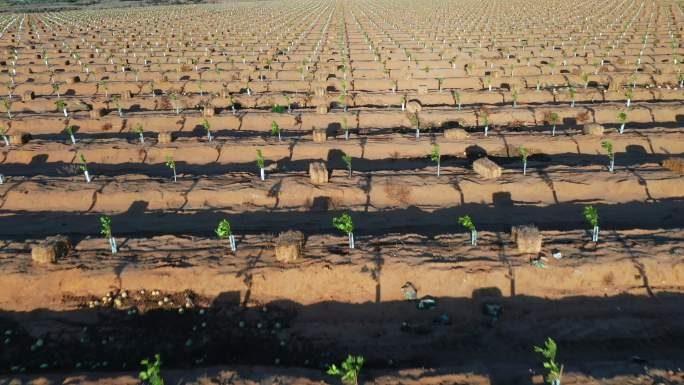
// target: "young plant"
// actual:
[[622, 118], [591, 216], [466, 222], [415, 123], [554, 118], [55, 89], [7, 103], [457, 98], [514, 96], [629, 93], [62, 106], [349, 372], [84, 168], [207, 128], [223, 231], [573, 93], [261, 164], [342, 99], [345, 127], [138, 129], [549, 352], [345, 224], [485, 121], [523, 154], [170, 163], [403, 103], [106, 230], [117, 103], [275, 129], [5, 138], [70, 131], [151, 374], [278, 109], [436, 157], [347, 159], [608, 146]]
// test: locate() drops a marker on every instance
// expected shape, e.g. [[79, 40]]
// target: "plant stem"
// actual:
[[263, 174]]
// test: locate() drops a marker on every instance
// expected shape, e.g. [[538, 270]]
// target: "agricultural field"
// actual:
[[477, 192]]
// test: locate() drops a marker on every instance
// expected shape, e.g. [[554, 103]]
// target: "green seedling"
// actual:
[[223, 231], [573, 93], [349, 371], [608, 146], [207, 128], [622, 118], [151, 374], [523, 155], [485, 121], [457, 98], [70, 131], [62, 106], [629, 93], [514, 96], [261, 164], [591, 215], [555, 119], [347, 159], [345, 224], [106, 230], [84, 168], [415, 123], [585, 79], [138, 129], [549, 352], [7, 103], [345, 127], [342, 99], [170, 163], [278, 109], [5, 138], [436, 157], [403, 103], [275, 129], [116, 99], [466, 222], [55, 89]]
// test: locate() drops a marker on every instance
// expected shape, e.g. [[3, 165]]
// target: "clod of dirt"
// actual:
[[486, 168], [528, 239], [289, 246], [51, 249], [594, 129]]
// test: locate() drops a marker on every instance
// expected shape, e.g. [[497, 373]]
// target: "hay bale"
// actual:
[[165, 137], [674, 164], [528, 239], [51, 249], [322, 109], [455, 133], [593, 129], [19, 138], [289, 246], [96, 113], [487, 168], [318, 172], [320, 135], [422, 89], [208, 111], [413, 106], [27, 96]]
